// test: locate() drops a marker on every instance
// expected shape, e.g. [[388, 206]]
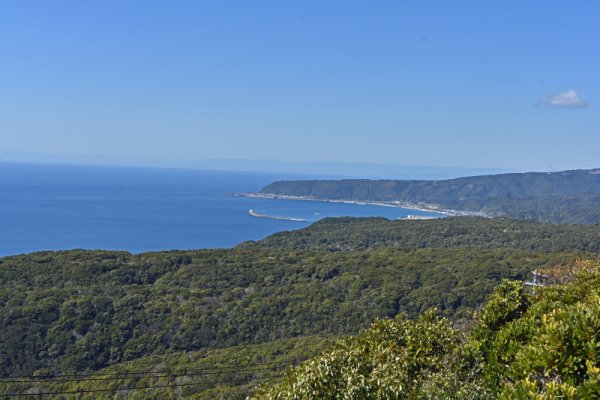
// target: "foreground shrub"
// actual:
[[541, 344]]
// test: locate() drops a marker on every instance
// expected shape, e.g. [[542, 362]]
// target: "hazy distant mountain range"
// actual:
[[323, 169], [349, 170], [559, 197]]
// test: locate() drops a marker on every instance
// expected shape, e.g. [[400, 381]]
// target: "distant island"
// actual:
[[555, 197]]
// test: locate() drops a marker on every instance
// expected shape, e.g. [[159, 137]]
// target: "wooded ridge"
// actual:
[[280, 300], [557, 197]]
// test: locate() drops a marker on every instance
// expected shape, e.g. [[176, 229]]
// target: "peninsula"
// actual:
[[555, 197]]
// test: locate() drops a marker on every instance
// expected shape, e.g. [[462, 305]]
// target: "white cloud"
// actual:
[[568, 99]]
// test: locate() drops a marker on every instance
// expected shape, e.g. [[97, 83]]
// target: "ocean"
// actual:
[[61, 207]]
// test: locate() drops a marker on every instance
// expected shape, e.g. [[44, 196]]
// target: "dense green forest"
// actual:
[[160, 319], [348, 233], [558, 197], [541, 343]]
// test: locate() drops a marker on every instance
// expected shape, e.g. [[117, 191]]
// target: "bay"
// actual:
[[61, 207]]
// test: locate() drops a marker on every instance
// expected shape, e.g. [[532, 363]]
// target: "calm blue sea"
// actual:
[[58, 207]]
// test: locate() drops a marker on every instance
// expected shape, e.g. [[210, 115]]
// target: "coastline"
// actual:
[[398, 204]]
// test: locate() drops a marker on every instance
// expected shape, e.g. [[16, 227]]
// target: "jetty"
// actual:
[[417, 217], [275, 217]]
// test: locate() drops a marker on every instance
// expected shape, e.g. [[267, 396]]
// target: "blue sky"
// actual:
[[498, 84]]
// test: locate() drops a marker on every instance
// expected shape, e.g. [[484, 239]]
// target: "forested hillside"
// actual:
[[348, 233], [540, 343], [262, 305], [559, 197]]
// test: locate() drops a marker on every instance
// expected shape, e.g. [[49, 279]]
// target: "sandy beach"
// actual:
[[400, 204]]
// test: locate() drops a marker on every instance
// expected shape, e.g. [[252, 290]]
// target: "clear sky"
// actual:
[[501, 84]]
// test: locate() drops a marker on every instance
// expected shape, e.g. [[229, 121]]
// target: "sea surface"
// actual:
[[60, 207]]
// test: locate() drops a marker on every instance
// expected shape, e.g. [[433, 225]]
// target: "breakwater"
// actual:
[[275, 217]]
